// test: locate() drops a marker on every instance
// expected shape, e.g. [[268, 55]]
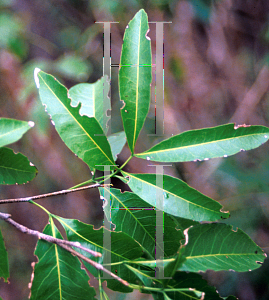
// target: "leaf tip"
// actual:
[[36, 71]]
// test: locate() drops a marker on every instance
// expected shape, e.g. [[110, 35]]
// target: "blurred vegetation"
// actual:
[[215, 71]]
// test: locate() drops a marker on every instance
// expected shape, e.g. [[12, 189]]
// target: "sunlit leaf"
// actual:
[[122, 247], [202, 144], [94, 100], [83, 135], [179, 199], [217, 247], [4, 269], [137, 218], [58, 274], [15, 168], [135, 76], [12, 130]]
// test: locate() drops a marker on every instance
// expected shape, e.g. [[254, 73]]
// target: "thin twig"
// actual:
[[63, 192], [48, 238], [64, 244]]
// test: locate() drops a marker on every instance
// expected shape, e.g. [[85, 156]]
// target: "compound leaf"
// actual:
[[83, 135], [217, 247], [58, 274], [179, 199], [135, 76], [202, 144], [12, 130], [15, 168]]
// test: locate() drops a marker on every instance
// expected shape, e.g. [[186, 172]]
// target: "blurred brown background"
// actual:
[[215, 72]]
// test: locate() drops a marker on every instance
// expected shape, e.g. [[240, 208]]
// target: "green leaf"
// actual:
[[117, 142], [12, 130], [58, 274], [15, 168], [217, 247], [135, 77], [94, 100], [83, 135], [137, 218], [122, 246], [4, 269], [179, 199], [202, 144]]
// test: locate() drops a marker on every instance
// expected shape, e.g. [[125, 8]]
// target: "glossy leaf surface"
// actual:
[[4, 269], [217, 247], [12, 130], [122, 247], [58, 274], [83, 135], [94, 100], [179, 199], [135, 77], [202, 144], [15, 168], [137, 218]]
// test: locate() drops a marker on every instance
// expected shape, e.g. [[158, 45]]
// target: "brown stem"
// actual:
[[48, 238], [63, 192]]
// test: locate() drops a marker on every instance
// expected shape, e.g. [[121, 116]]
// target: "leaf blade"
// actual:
[[217, 247], [12, 130], [135, 77], [84, 136], [179, 199], [202, 144], [15, 168], [117, 142], [58, 274]]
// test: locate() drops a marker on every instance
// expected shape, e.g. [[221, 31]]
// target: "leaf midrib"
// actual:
[[196, 145], [218, 212], [137, 86]]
